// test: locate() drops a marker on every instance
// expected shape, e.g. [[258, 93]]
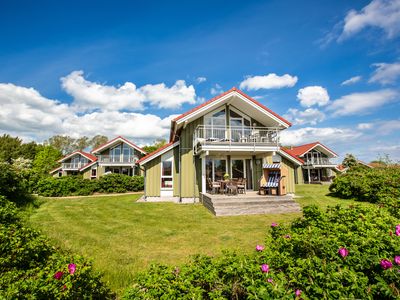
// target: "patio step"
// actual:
[[249, 205]]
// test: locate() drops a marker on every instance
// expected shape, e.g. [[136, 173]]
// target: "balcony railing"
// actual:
[[319, 161], [72, 166], [112, 159], [235, 136]]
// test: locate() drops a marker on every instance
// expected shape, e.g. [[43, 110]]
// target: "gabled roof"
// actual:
[[220, 99], [88, 165], [55, 170], [303, 149], [84, 154], [288, 154], [116, 140], [157, 153]]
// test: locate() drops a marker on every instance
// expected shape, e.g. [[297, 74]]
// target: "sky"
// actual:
[[128, 67]]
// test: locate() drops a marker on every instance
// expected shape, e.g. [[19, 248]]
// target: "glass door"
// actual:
[[238, 168], [215, 169]]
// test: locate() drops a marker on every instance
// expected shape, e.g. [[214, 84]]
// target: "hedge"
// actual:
[[76, 185]]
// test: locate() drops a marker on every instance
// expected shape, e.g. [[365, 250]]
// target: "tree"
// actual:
[[98, 140], [157, 144], [9, 148], [349, 161], [28, 150], [46, 159], [81, 143], [64, 143]]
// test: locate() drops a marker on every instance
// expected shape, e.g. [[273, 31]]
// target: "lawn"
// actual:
[[124, 237]]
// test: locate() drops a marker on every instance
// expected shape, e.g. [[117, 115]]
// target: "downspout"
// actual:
[[180, 170]]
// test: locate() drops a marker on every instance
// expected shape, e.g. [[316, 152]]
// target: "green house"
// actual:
[[230, 134]]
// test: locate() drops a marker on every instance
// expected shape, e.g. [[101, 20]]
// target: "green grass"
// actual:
[[124, 237]]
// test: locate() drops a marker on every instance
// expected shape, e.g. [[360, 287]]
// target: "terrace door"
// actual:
[[243, 168]]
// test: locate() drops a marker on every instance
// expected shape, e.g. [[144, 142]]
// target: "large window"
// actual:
[[115, 154], [240, 125], [215, 169], [215, 124]]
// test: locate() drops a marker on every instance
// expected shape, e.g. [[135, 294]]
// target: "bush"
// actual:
[[76, 185], [30, 267], [12, 185], [303, 256]]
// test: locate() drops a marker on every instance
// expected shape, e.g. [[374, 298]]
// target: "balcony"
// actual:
[[207, 137], [117, 160], [72, 166], [319, 161]]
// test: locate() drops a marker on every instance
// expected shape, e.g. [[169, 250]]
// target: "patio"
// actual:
[[250, 203]]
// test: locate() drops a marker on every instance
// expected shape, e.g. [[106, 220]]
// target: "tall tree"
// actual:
[[46, 159], [28, 150], [9, 148], [81, 143], [349, 161], [157, 144], [98, 140], [63, 143]]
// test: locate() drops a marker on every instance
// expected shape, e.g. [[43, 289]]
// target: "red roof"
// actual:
[[87, 155], [154, 152], [288, 151], [225, 93], [118, 137], [300, 150]]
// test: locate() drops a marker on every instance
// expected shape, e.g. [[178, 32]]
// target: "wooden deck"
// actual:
[[248, 204]]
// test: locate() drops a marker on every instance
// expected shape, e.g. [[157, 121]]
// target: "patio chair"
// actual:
[[232, 187], [213, 185], [241, 186]]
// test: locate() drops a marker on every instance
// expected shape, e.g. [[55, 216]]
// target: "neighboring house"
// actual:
[[118, 155], [231, 133], [318, 165]]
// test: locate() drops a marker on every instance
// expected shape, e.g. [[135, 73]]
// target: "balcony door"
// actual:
[[215, 125], [240, 125]]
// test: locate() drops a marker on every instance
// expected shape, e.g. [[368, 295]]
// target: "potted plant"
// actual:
[[226, 176]]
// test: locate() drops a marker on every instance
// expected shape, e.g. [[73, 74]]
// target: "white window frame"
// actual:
[[167, 191]]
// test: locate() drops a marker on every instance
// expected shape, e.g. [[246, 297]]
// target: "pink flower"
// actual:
[[397, 260], [264, 268], [288, 236], [58, 275], [386, 264], [297, 293], [274, 224], [398, 230], [259, 248], [343, 252], [270, 280], [71, 268]]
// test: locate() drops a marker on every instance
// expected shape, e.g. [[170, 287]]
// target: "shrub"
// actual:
[[76, 185], [29, 264], [331, 255], [11, 184]]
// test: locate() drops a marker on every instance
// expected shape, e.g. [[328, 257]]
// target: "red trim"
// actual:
[[154, 152], [288, 151], [225, 93], [85, 154], [114, 139], [87, 165], [56, 169], [300, 150]]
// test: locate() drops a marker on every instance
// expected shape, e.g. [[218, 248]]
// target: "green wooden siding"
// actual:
[[290, 186], [257, 173], [191, 166], [153, 177]]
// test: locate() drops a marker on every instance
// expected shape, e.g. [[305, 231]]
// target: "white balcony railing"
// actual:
[[235, 136], [72, 166], [112, 159], [318, 161]]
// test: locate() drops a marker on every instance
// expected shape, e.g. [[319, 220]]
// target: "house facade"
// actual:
[[318, 165], [230, 134], [118, 155]]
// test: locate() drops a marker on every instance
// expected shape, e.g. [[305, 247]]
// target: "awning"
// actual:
[[271, 166]]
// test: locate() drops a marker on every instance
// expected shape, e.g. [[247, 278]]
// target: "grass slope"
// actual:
[[123, 236]]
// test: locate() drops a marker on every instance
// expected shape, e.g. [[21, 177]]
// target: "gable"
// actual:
[[115, 142]]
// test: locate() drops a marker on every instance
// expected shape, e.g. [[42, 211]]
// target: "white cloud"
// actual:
[[91, 95], [361, 103], [216, 89], [313, 95], [328, 135], [365, 126], [351, 80], [310, 116], [386, 73], [269, 81], [27, 114], [201, 79], [384, 14]]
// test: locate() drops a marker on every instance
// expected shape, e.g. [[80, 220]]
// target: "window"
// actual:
[[240, 125], [215, 124], [93, 173], [115, 154], [166, 174], [215, 169], [127, 153]]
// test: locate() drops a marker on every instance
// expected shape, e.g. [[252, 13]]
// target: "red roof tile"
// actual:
[[300, 150], [288, 151], [114, 139], [87, 155]]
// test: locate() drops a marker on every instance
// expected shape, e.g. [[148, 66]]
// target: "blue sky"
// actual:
[[128, 67]]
